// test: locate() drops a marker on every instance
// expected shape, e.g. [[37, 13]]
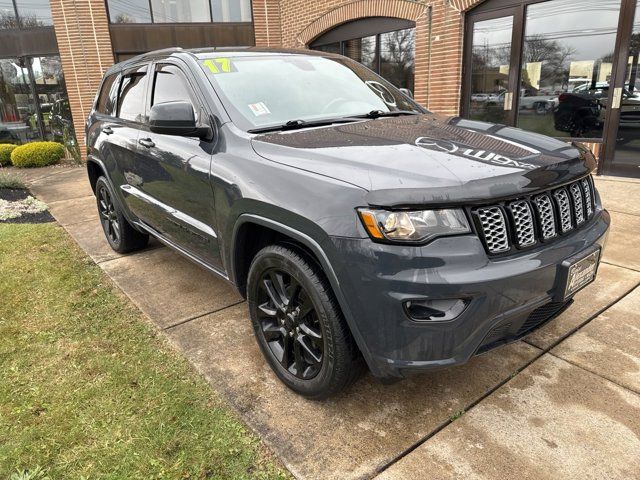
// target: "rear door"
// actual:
[[174, 170], [124, 129], [114, 129]]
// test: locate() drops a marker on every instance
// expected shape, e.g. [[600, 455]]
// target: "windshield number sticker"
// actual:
[[259, 109], [218, 65]]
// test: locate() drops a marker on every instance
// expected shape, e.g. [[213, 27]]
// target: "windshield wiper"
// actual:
[[380, 113], [296, 124]]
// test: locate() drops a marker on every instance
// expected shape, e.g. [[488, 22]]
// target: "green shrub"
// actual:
[[10, 180], [5, 153], [37, 154]]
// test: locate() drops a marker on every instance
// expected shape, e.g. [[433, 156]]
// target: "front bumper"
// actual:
[[502, 293]]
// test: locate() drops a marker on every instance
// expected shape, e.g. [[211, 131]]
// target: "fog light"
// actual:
[[435, 310]]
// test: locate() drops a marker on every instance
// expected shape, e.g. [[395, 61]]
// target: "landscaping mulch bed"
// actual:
[[17, 194]]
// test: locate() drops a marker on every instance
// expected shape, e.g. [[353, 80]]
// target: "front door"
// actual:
[[174, 172], [490, 79]]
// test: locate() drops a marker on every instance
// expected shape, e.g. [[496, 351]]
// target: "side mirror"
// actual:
[[406, 92], [176, 118]]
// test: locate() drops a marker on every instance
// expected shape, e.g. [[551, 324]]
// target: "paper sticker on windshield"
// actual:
[[259, 109], [219, 65]]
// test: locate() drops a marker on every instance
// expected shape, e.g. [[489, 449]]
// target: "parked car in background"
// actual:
[[362, 229]]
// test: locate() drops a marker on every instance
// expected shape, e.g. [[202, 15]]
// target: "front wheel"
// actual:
[[298, 324]]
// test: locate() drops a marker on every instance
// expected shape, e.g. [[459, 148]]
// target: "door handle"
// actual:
[[146, 142], [508, 100], [107, 130]]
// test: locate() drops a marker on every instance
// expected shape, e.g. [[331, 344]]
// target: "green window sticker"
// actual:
[[219, 65]]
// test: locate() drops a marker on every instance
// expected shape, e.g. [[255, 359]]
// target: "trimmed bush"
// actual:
[[37, 154], [5, 153]]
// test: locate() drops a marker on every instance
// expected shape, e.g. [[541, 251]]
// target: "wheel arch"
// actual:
[[244, 247], [95, 170]]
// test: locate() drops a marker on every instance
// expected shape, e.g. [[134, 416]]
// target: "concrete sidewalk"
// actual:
[[563, 403]]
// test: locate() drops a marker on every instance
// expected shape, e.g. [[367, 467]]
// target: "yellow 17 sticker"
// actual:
[[218, 65]]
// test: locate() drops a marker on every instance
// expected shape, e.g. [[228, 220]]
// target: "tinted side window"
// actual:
[[131, 102], [107, 98], [169, 86]]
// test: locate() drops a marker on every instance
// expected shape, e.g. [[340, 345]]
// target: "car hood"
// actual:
[[429, 159]]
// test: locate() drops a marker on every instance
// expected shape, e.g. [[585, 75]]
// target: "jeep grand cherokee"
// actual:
[[361, 228]]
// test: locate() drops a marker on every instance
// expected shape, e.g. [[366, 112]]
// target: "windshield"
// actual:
[[272, 90]]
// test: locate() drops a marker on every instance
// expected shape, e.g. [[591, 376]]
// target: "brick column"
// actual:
[[82, 31], [266, 23]]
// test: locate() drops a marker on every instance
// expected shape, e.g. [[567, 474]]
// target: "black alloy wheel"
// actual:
[[122, 237], [290, 325], [298, 323], [108, 215]]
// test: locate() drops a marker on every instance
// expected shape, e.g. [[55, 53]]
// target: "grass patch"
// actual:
[[89, 390]]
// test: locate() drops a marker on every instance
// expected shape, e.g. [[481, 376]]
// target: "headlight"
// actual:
[[413, 226]]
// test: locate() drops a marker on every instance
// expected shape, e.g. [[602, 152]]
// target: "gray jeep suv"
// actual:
[[362, 229]]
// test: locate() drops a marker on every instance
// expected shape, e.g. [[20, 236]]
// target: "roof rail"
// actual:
[[165, 50]]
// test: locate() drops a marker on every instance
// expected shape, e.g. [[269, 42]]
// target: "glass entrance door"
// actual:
[[625, 157], [491, 80]]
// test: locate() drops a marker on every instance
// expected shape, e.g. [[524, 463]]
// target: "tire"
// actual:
[[122, 237], [281, 282], [541, 108]]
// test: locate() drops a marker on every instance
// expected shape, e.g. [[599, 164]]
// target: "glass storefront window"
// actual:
[[491, 54], [17, 107], [566, 66], [390, 54], [397, 56], [362, 50], [30, 13], [34, 13], [231, 10], [28, 113], [179, 11], [330, 48], [8, 17], [129, 11]]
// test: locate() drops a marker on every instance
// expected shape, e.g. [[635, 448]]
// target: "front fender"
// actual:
[[326, 256]]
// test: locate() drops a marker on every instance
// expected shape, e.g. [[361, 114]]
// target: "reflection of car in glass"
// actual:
[[358, 225], [629, 105], [60, 119], [578, 113], [480, 97], [541, 104]]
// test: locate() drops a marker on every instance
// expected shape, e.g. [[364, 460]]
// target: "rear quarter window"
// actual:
[[108, 94]]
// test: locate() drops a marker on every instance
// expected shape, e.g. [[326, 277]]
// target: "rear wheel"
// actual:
[[298, 324], [122, 237]]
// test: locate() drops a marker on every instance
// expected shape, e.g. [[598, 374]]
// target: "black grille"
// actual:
[[503, 333], [541, 315], [542, 217]]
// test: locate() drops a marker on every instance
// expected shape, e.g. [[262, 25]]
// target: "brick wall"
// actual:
[[83, 37], [266, 23]]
